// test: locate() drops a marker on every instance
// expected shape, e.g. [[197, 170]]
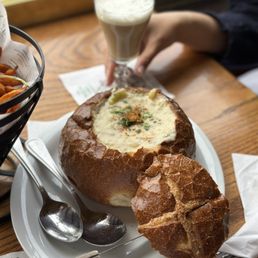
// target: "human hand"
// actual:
[[109, 69], [159, 34], [199, 31]]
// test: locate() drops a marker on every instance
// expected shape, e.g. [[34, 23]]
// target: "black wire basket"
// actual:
[[14, 122]]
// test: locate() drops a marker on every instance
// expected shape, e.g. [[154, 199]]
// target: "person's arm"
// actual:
[[199, 31]]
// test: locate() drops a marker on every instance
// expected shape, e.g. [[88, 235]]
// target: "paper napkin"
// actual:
[[249, 79], [245, 242], [85, 83]]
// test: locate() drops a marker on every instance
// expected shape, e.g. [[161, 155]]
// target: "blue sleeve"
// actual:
[[241, 25]]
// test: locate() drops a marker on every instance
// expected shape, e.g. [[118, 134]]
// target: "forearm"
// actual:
[[200, 31]]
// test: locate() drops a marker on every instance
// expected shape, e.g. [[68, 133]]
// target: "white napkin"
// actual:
[[245, 242], [85, 83], [249, 79]]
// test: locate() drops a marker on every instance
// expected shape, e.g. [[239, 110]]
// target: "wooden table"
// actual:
[[225, 110]]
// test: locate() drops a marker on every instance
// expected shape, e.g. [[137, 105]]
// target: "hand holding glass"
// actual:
[[123, 23]]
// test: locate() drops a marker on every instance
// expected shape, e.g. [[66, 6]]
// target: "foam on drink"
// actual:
[[124, 12]]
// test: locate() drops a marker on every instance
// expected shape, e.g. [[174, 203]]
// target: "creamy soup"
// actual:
[[132, 120]]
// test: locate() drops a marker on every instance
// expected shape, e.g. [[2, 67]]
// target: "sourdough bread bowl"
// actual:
[[179, 208], [113, 137]]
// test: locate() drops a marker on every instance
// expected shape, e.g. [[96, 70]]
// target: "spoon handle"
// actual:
[[19, 153], [38, 149]]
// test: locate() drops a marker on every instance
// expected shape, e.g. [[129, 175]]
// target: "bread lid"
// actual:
[[180, 209]]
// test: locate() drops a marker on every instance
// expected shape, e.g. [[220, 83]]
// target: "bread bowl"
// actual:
[[112, 138], [179, 208]]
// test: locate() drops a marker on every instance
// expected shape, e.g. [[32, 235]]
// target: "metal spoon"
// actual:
[[99, 228], [58, 219]]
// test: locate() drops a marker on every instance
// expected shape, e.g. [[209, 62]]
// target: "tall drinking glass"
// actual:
[[123, 23]]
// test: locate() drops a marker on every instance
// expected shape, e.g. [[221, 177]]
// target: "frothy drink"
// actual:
[[123, 23]]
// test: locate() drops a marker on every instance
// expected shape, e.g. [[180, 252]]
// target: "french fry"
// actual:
[[10, 81], [9, 88], [12, 109], [10, 85], [2, 89], [11, 71], [10, 95], [4, 68]]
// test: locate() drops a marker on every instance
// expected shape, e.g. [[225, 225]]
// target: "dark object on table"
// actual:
[[13, 123]]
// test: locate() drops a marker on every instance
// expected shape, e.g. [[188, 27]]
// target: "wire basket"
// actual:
[[15, 121]]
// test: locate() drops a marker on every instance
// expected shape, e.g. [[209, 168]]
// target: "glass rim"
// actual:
[[144, 9]]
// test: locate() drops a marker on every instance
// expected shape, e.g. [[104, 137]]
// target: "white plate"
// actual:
[[26, 203]]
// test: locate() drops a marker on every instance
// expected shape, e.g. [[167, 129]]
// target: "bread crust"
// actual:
[[106, 175], [193, 221]]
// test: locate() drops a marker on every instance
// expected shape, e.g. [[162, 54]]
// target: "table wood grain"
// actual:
[[225, 110]]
